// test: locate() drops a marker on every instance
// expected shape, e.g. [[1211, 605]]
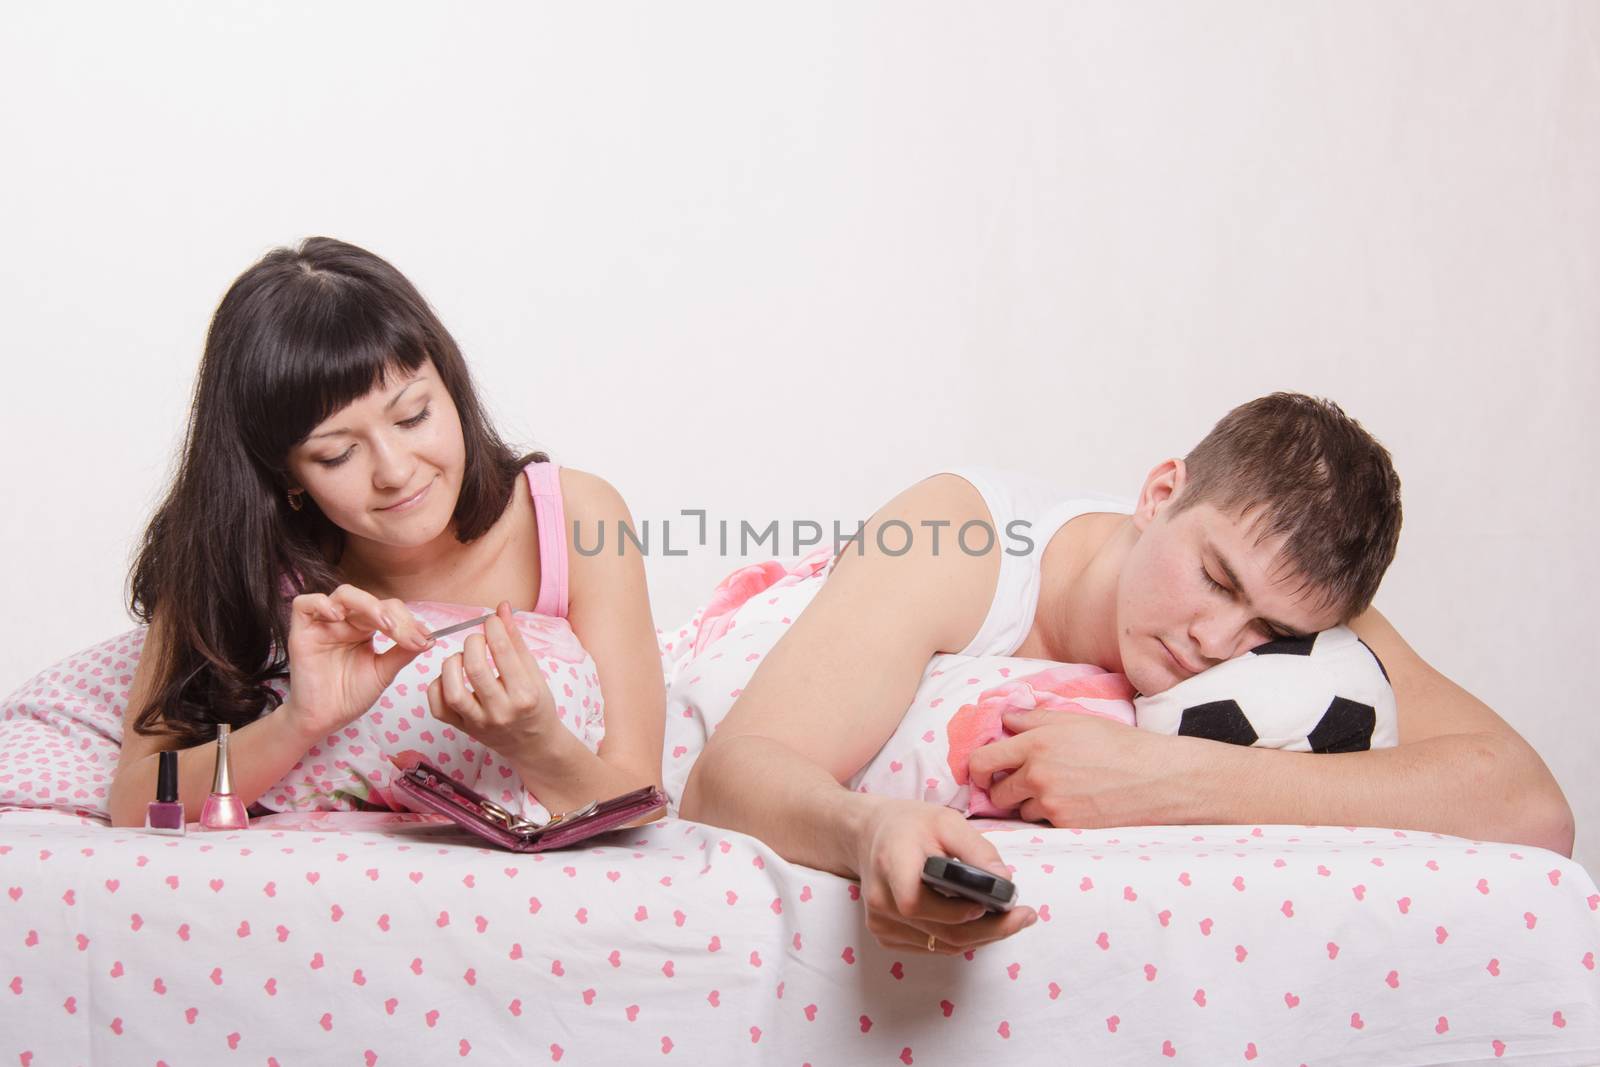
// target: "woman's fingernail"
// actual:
[[1032, 918]]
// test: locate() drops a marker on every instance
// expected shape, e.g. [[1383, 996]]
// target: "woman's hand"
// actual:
[[511, 712], [334, 673], [897, 839]]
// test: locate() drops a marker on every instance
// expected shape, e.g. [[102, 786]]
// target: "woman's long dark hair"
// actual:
[[297, 337]]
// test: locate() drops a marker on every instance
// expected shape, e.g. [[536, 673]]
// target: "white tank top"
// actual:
[[1026, 512]]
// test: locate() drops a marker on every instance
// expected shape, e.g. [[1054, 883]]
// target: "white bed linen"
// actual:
[[403, 943]]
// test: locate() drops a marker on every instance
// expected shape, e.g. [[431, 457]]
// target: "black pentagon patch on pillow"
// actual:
[[1220, 720], [1346, 726], [1286, 646]]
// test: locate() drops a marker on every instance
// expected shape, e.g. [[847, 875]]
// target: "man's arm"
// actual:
[[828, 695], [1468, 785], [835, 686], [1520, 796], [1459, 770]]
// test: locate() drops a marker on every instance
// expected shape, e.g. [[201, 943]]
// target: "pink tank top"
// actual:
[[544, 480]]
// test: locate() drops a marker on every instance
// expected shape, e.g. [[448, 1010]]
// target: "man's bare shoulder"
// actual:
[[907, 555]]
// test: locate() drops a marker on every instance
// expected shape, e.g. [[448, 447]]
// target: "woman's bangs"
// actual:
[[327, 371]]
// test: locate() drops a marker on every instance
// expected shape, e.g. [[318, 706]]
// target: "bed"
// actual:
[[392, 939], [382, 937]]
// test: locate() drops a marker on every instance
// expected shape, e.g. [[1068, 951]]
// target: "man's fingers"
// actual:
[[1004, 924], [1001, 755], [961, 840], [931, 910], [910, 933], [911, 898], [891, 933], [1012, 790], [1026, 718], [960, 936], [902, 910], [1032, 810]]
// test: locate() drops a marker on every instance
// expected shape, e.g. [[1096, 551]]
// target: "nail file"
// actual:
[[458, 627]]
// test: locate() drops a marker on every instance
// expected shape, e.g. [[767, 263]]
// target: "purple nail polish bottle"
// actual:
[[223, 810], [165, 814]]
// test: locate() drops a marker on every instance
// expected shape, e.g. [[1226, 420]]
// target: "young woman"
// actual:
[[338, 465]]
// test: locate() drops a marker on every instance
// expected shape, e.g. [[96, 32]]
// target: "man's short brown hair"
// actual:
[[1317, 478]]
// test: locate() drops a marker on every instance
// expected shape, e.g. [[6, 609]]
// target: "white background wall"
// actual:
[[781, 261]]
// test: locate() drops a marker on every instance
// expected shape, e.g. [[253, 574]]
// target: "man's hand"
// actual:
[[1073, 769], [904, 913]]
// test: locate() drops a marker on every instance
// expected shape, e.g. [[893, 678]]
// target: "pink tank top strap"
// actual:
[[544, 480]]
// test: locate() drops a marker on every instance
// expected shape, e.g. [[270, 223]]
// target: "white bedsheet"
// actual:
[[402, 943]]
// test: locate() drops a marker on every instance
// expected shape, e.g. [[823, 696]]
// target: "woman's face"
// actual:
[[388, 467]]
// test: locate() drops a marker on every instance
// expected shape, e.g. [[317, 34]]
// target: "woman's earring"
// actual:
[[295, 503]]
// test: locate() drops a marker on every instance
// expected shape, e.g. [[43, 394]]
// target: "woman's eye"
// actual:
[[416, 420], [1212, 581]]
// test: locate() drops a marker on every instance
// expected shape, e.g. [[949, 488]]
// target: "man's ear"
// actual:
[[1161, 487]]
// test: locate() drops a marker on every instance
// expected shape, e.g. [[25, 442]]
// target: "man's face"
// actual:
[[1196, 589], [402, 438]]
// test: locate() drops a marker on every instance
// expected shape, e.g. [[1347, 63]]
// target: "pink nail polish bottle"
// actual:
[[165, 814], [223, 810]]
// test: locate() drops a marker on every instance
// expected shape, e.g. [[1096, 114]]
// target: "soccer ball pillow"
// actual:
[[1323, 693]]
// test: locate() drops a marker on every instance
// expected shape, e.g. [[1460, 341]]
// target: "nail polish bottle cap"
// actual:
[[222, 779], [167, 778]]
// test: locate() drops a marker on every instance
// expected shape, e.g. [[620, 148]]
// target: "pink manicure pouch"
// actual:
[[423, 787]]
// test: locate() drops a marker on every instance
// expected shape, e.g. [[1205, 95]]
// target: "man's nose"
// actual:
[[1215, 637]]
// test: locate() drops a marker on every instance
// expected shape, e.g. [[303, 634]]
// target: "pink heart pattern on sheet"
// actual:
[[637, 977]]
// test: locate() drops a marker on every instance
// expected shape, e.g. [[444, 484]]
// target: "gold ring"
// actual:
[[932, 941]]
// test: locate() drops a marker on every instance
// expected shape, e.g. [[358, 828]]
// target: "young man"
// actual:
[[1282, 521]]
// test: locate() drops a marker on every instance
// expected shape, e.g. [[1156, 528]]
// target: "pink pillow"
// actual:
[[959, 707]]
